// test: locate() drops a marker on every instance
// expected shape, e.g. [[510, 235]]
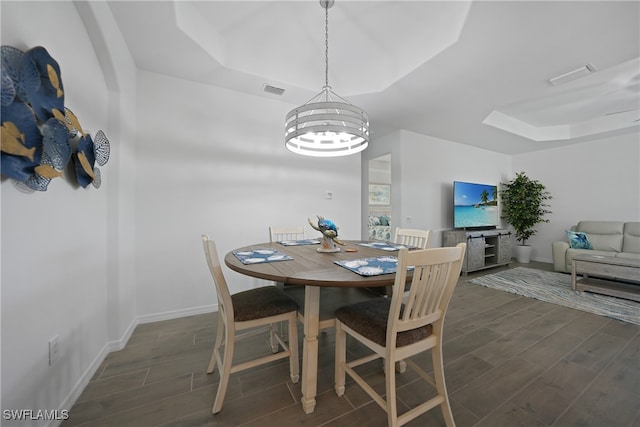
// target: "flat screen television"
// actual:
[[475, 206]]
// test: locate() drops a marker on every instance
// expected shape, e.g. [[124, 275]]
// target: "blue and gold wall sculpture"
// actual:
[[40, 136]]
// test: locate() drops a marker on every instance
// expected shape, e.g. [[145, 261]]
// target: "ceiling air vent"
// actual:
[[572, 75], [272, 89]]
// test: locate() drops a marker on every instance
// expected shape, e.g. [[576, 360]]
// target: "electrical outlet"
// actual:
[[328, 194], [409, 219], [54, 350]]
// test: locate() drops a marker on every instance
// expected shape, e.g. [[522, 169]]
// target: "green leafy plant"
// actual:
[[524, 205]]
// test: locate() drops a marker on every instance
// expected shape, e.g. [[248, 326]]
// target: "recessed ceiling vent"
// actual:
[[272, 89], [572, 75]]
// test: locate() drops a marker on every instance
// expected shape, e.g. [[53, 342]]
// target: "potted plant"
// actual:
[[524, 206]]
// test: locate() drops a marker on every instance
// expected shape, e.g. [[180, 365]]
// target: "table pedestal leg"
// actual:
[[310, 348]]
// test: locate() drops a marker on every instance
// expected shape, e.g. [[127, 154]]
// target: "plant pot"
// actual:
[[523, 253]]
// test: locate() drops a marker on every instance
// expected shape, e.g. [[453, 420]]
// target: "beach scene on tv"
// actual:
[[475, 205]]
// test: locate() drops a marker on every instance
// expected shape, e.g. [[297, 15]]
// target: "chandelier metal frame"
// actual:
[[327, 125]]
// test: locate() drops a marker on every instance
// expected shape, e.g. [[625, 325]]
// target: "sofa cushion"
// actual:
[[578, 240], [603, 235], [374, 221], [601, 227], [631, 242]]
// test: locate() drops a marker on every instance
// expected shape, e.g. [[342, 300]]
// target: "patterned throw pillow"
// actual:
[[578, 240]]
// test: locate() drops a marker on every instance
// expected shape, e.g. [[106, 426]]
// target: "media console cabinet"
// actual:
[[485, 248]]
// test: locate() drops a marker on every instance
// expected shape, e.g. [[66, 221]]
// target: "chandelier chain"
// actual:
[[326, 46]]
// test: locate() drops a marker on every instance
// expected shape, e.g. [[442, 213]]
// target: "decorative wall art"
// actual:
[[379, 194], [40, 136]]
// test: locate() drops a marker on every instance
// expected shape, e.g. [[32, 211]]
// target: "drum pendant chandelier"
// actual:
[[327, 125]]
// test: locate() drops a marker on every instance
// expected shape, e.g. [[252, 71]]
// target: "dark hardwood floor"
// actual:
[[509, 361]]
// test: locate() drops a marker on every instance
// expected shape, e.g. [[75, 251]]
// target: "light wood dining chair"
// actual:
[[259, 307], [395, 330], [412, 237], [279, 234]]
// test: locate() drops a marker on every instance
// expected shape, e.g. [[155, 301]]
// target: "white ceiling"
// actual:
[[472, 72]]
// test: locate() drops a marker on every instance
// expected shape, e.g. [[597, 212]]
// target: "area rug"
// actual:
[[556, 288]]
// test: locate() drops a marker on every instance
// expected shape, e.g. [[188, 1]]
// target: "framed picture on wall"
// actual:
[[379, 194]]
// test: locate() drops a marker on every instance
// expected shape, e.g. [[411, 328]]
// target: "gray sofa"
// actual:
[[608, 238]]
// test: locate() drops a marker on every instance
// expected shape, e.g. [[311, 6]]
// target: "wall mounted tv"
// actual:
[[475, 206]]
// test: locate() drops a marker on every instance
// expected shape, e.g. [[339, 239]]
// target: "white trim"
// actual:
[[175, 314]]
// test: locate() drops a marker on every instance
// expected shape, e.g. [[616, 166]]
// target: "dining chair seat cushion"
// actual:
[[260, 303], [369, 318]]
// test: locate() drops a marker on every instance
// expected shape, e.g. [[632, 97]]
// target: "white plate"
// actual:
[[370, 271], [355, 264]]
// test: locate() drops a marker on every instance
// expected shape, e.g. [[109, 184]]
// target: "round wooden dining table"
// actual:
[[313, 270]]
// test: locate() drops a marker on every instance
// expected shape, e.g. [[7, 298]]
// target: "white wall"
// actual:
[[597, 180], [66, 259], [428, 168], [119, 73], [211, 160]]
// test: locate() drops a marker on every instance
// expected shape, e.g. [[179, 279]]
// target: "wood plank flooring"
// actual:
[[509, 361]]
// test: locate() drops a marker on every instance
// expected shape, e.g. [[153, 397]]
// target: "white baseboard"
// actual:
[[117, 345], [175, 314], [82, 382], [122, 342]]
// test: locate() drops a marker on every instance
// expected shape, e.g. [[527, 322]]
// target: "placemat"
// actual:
[[386, 246], [300, 242], [373, 266], [260, 256]]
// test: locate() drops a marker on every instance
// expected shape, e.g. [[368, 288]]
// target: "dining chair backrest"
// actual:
[[225, 304], [279, 234], [412, 237], [424, 301]]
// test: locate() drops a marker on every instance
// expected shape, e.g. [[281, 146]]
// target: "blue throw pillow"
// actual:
[[578, 240]]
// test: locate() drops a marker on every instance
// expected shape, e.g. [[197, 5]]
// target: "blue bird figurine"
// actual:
[[329, 233]]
